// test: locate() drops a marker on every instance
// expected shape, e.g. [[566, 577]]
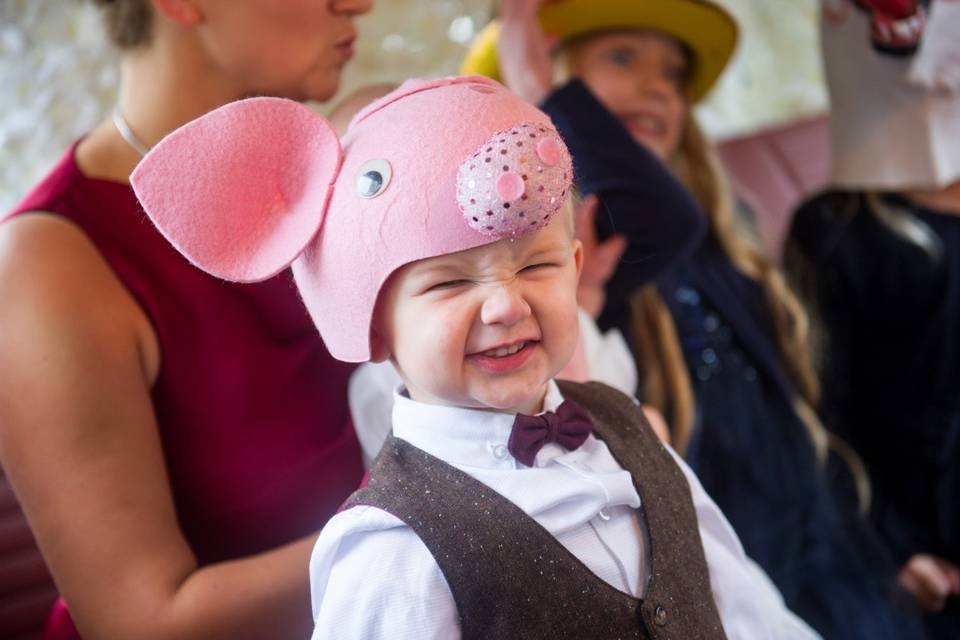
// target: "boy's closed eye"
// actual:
[[540, 266], [448, 284], [456, 283]]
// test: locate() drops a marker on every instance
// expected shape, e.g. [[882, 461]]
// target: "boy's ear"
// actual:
[[241, 191], [578, 257]]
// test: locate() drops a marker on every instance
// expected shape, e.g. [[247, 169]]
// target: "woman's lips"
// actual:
[[345, 49], [504, 363]]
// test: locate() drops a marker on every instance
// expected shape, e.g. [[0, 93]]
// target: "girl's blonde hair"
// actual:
[[665, 380]]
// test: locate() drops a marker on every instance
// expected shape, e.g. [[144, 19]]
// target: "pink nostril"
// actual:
[[510, 186], [549, 151]]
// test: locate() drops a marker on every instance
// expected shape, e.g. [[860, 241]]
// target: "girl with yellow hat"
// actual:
[[720, 340]]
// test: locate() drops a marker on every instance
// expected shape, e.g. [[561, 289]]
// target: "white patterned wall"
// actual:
[[776, 75], [58, 73]]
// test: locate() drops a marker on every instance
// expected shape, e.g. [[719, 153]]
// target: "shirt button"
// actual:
[[660, 616], [500, 452], [603, 514]]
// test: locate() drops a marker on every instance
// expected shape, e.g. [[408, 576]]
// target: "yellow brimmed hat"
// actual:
[[705, 28]]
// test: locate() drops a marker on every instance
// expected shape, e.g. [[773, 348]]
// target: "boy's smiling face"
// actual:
[[487, 327]]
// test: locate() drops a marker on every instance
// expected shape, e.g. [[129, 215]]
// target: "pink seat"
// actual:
[[775, 169]]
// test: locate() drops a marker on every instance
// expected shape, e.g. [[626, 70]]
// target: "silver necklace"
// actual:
[[127, 134]]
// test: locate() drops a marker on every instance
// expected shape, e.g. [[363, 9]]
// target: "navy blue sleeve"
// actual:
[[639, 197]]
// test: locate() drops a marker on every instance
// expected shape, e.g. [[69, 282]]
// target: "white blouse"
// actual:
[[371, 576]]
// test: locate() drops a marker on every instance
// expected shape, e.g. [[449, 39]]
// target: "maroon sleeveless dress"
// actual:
[[252, 409]]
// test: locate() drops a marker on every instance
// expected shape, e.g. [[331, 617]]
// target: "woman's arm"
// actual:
[[80, 444]]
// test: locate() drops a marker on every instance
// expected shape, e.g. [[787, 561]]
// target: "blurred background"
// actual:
[[57, 68]]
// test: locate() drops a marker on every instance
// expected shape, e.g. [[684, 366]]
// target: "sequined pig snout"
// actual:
[[515, 181]]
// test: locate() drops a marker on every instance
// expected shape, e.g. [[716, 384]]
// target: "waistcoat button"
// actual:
[[660, 616]]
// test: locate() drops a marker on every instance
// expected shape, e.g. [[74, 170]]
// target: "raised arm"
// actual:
[[638, 196], [80, 445]]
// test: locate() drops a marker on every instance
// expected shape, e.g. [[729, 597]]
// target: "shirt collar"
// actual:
[[459, 435]]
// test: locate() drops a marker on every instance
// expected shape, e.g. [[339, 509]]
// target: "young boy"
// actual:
[[503, 505]]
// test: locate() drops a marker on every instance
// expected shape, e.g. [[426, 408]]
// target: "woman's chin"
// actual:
[[321, 86]]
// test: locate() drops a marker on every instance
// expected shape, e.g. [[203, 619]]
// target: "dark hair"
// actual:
[[128, 21]]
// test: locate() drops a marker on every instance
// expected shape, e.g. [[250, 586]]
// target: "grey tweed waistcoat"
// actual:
[[511, 579]]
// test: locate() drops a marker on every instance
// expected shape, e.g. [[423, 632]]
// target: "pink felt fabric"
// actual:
[[505, 189], [549, 152], [510, 186], [243, 191]]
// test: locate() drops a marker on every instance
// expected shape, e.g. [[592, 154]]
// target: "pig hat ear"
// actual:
[[242, 190]]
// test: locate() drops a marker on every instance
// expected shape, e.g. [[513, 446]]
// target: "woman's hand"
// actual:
[[524, 50], [931, 580], [600, 259]]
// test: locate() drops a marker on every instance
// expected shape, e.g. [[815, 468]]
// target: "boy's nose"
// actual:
[[504, 304]]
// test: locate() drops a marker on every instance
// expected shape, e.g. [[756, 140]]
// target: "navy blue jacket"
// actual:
[[639, 197]]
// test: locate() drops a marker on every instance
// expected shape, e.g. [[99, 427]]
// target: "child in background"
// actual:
[[720, 340], [503, 505]]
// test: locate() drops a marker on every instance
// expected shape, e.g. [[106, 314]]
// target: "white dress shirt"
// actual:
[[371, 577]]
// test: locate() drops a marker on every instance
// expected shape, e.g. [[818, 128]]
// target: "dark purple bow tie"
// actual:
[[569, 426]]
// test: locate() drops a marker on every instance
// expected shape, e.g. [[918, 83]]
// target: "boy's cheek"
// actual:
[[565, 290]]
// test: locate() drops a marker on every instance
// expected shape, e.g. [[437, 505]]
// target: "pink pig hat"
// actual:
[[432, 168]]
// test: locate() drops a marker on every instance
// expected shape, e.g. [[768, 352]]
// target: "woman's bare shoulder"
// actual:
[[55, 284]]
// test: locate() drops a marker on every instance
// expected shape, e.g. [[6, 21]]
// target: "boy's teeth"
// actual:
[[504, 351]]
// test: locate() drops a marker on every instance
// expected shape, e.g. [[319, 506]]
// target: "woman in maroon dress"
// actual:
[[175, 441]]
